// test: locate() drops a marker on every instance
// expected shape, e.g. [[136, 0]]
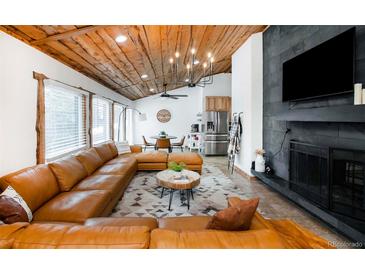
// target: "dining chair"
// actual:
[[179, 144], [164, 144], [147, 144]]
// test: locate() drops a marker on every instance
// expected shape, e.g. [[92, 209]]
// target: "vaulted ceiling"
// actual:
[[93, 51]]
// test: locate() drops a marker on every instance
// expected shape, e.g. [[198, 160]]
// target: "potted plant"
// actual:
[[162, 134], [176, 167], [260, 160]]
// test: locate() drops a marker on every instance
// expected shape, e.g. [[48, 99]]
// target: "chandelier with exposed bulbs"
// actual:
[[192, 66]]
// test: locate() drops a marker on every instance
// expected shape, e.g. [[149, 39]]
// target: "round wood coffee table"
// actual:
[[167, 179]]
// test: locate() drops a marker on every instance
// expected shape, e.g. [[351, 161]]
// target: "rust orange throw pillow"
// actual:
[[226, 219], [237, 216], [247, 210]]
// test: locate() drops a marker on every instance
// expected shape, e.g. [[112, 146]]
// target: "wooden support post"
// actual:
[[112, 122], [90, 120], [41, 121]]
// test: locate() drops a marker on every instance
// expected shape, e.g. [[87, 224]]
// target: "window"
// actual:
[[119, 122], [101, 120], [65, 121]]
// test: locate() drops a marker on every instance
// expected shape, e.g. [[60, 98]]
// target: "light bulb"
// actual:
[[192, 51], [177, 54], [196, 62], [186, 80], [121, 38], [209, 54], [211, 59], [188, 66], [151, 89], [171, 60], [144, 76], [204, 64]]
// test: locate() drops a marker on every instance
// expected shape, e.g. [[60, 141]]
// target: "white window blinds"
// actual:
[[65, 121], [101, 120]]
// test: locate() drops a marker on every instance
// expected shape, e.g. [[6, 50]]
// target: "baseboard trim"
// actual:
[[244, 174]]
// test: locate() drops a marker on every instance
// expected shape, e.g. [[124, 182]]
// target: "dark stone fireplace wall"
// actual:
[[281, 43]]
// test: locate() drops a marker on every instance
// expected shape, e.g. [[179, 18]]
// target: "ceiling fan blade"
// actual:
[[173, 97], [180, 95]]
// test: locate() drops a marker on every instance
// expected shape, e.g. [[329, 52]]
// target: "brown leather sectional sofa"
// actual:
[[86, 185], [69, 197], [173, 232]]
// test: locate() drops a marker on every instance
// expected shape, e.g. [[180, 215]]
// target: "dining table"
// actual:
[[163, 137]]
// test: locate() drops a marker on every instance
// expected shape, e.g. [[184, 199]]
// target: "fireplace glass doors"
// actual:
[[348, 183], [331, 178]]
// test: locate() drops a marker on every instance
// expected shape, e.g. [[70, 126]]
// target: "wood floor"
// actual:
[[275, 206]]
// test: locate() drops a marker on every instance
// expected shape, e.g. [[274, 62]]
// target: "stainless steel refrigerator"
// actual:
[[216, 132]]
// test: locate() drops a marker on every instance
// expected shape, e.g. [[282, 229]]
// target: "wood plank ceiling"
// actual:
[[93, 51]]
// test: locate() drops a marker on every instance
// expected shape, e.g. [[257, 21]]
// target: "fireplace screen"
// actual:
[[308, 174], [348, 183]]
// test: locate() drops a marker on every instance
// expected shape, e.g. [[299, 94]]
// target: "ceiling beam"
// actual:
[[67, 34]]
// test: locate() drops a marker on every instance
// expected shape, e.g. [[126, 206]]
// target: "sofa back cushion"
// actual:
[[69, 172], [70, 236], [113, 149], [264, 238], [90, 159], [104, 152], [35, 184]]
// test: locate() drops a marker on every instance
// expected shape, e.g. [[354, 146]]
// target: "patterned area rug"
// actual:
[[142, 197]]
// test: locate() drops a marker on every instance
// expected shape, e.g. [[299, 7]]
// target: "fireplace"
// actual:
[[331, 178]]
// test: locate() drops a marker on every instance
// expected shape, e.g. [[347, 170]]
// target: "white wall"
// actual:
[[221, 86], [183, 113], [247, 97], [18, 98]]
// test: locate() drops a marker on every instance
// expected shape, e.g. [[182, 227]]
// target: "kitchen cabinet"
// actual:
[[218, 103]]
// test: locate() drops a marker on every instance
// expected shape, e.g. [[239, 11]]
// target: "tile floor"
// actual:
[[274, 205]]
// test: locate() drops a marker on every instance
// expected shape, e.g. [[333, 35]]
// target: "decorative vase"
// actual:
[[260, 163]]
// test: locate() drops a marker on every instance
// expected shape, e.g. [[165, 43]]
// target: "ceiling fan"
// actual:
[[164, 94]]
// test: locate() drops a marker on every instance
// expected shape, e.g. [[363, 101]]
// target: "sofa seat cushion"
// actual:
[[125, 168], [76, 236], [297, 236], [113, 183], [68, 171], [8, 233], [265, 238], [74, 206], [196, 168], [189, 158], [35, 184], [184, 223], [104, 152], [90, 159], [152, 157], [259, 222], [149, 222], [152, 166], [123, 158]]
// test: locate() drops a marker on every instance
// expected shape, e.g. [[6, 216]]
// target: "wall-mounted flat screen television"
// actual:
[[324, 70]]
